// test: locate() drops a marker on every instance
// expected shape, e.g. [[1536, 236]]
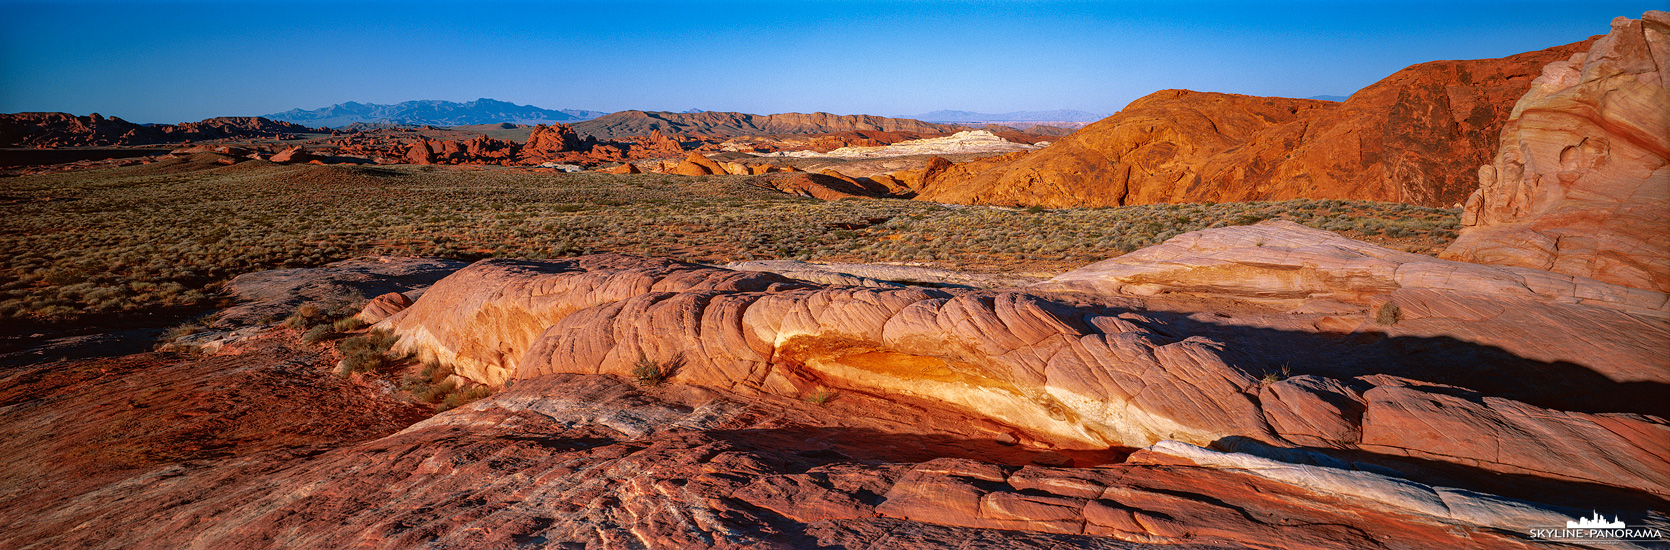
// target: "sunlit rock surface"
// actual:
[[1581, 181]]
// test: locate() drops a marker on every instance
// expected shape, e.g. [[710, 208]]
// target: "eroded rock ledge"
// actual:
[[1075, 378]]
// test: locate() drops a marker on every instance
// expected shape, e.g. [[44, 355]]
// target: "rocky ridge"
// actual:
[[50, 130], [1411, 137], [716, 123]]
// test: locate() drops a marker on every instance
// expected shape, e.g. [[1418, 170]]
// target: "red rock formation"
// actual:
[[546, 143], [46, 130], [655, 145], [1581, 183], [1411, 138], [420, 153]]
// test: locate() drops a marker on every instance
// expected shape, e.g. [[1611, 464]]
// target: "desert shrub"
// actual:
[[317, 334], [821, 395], [650, 373], [1271, 377], [180, 331], [1388, 314], [368, 352], [459, 397], [307, 316]]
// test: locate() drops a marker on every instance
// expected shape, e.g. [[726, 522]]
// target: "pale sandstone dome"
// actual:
[[970, 141], [1581, 182], [1066, 376]]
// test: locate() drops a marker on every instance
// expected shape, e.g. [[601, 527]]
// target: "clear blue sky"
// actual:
[[173, 61]]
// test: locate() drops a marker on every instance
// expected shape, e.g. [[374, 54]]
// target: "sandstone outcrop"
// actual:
[[1074, 378], [295, 155], [698, 165], [1284, 262], [971, 141], [821, 186], [1581, 182], [623, 168], [1412, 137]]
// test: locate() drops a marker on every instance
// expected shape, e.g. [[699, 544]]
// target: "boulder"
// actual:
[[382, 306]]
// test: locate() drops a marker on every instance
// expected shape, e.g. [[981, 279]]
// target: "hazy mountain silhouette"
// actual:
[[434, 113]]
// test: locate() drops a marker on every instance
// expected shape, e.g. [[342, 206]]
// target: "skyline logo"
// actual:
[[1596, 522], [1598, 528]]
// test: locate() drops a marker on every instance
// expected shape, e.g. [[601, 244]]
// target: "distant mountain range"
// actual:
[[1059, 115], [433, 113], [1329, 97]]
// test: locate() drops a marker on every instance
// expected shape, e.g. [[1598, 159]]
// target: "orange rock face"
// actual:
[[1580, 184], [1413, 137]]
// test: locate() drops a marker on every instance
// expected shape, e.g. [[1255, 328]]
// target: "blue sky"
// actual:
[[173, 61]]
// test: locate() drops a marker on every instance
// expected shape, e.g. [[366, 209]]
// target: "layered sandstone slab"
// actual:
[[1414, 137], [598, 462], [1348, 286], [1581, 182], [1074, 378], [1281, 261]]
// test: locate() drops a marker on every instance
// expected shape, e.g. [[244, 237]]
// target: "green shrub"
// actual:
[[650, 373], [821, 395]]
